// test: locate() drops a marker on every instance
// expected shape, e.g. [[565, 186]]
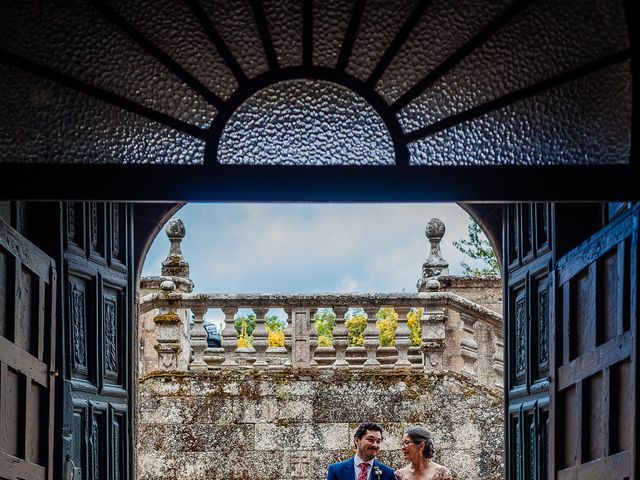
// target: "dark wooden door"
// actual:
[[97, 292], [528, 261], [27, 358], [594, 359]]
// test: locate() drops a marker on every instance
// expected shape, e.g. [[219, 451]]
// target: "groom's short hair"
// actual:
[[365, 427]]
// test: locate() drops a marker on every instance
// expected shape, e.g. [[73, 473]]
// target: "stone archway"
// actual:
[[288, 411]]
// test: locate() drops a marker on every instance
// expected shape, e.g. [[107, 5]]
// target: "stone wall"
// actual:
[[485, 291], [248, 424]]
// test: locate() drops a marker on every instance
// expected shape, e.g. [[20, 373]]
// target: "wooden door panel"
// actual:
[[80, 304], [27, 358], [98, 274], [595, 358], [622, 403], [113, 346]]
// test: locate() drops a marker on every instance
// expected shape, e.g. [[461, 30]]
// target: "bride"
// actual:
[[418, 448]]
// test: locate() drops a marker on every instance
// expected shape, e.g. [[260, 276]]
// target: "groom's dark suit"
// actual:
[[346, 471]]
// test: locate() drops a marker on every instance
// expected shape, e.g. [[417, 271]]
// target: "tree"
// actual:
[[413, 322], [242, 326], [324, 322], [245, 324], [356, 323], [275, 328], [387, 323], [477, 247]]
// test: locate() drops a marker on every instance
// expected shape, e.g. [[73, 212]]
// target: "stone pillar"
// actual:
[[229, 338], [468, 345], [433, 323], [174, 272], [371, 338], [260, 338], [168, 325], [435, 265], [403, 337], [300, 339], [198, 337], [340, 338]]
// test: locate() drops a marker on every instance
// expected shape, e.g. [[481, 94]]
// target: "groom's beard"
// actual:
[[372, 451]]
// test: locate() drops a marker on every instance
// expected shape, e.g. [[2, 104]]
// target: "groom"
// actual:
[[363, 466]]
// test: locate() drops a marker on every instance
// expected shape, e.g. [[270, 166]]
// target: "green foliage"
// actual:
[[275, 329], [248, 320], [324, 322], [387, 323], [477, 247], [275, 338], [245, 324], [244, 339], [356, 323], [275, 323], [413, 322]]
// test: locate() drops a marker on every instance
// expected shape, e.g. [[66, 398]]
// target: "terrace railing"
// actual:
[[456, 333]]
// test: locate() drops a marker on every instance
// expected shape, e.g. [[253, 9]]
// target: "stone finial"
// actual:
[[175, 265], [167, 286], [435, 265]]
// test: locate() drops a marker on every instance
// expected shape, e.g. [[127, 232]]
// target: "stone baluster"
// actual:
[[260, 338], [371, 338], [313, 338], [433, 324], [403, 337], [168, 324], [468, 345], [340, 338], [198, 340], [498, 363], [229, 337], [288, 337]]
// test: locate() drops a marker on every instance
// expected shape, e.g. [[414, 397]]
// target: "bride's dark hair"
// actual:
[[420, 434]]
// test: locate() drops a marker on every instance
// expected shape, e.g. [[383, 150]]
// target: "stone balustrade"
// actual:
[[442, 340], [457, 333]]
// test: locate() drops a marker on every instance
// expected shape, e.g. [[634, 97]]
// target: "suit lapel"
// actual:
[[351, 469]]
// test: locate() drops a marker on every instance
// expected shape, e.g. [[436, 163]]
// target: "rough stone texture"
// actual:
[[254, 425], [485, 291]]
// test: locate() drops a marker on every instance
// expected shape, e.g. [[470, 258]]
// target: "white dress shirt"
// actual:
[[357, 461]]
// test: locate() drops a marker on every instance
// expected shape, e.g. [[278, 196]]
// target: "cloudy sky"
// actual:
[[306, 247]]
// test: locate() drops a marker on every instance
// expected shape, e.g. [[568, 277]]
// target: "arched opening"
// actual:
[[319, 407], [518, 102]]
